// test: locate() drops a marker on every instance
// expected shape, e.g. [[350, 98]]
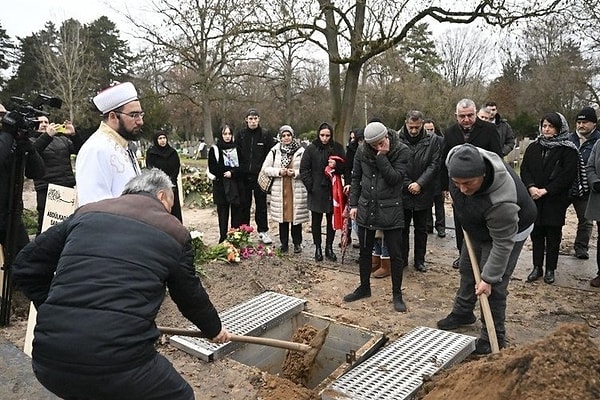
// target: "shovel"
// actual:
[[483, 300], [314, 347]]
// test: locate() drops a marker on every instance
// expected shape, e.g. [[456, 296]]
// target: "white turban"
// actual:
[[114, 97]]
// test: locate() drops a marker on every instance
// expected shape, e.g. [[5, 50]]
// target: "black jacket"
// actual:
[[56, 151], [113, 260], [483, 134], [424, 168], [377, 182], [225, 190], [253, 145], [312, 173]]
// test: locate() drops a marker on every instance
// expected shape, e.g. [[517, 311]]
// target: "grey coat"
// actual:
[[592, 211]]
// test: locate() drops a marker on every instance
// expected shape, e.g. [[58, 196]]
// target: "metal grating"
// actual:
[[252, 317], [397, 371]]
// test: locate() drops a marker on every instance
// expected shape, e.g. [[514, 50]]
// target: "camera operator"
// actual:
[[55, 148], [13, 145]]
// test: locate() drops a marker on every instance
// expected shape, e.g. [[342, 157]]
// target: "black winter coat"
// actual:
[[377, 182], [56, 151], [113, 260], [253, 146], [483, 134], [312, 167], [554, 170], [423, 168], [167, 160], [225, 190]]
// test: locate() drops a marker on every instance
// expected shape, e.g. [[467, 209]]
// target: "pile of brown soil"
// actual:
[[563, 365], [294, 366]]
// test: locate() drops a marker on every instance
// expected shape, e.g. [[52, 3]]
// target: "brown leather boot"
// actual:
[[375, 263], [384, 270]]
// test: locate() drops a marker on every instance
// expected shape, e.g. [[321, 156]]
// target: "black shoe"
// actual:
[[360, 293], [482, 346], [535, 274], [582, 254], [399, 303], [329, 254], [456, 263], [549, 276], [441, 232], [284, 248], [318, 254], [453, 321], [420, 266], [297, 248]]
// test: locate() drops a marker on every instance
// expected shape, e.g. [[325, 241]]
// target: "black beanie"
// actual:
[[587, 114], [465, 161]]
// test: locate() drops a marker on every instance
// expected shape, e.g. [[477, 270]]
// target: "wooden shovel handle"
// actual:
[[483, 299], [282, 344]]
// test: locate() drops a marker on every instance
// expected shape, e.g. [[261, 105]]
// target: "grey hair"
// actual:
[[150, 181], [414, 115], [466, 103]]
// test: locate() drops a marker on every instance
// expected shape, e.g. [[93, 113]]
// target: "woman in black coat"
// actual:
[[549, 169], [320, 197], [164, 157], [224, 171]]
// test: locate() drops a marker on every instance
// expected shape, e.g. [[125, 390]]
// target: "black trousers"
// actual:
[[315, 225], [41, 206], [155, 380], [284, 233], [546, 242], [419, 218], [260, 205], [223, 212], [393, 241], [440, 213]]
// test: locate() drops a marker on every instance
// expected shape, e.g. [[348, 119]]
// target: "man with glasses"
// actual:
[[468, 129], [105, 163]]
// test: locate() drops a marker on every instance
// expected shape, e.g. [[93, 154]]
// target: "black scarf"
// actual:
[[162, 151]]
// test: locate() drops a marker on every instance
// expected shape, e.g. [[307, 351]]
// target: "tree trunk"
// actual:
[[348, 101], [207, 114]]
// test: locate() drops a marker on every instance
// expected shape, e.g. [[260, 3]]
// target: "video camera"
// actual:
[[23, 117]]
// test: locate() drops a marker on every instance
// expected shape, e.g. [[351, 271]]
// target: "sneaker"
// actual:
[[595, 282], [456, 263], [265, 238], [453, 321]]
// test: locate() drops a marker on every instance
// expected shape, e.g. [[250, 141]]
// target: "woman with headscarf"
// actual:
[[288, 194], [224, 171], [164, 157], [549, 169], [319, 155]]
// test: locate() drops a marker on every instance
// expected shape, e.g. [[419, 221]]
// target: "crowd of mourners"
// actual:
[[107, 266]]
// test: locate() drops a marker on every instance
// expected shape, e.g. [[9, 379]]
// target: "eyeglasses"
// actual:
[[134, 114]]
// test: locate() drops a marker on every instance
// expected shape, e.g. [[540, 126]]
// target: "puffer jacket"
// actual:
[[56, 151], [272, 166], [423, 168], [113, 260], [377, 182]]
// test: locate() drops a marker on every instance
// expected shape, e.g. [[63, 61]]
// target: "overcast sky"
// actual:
[[23, 17]]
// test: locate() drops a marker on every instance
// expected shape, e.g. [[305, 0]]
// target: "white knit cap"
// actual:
[[114, 97]]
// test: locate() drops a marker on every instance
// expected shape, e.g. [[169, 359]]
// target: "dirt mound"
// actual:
[[563, 365]]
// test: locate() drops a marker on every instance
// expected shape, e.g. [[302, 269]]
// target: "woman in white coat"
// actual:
[[288, 193]]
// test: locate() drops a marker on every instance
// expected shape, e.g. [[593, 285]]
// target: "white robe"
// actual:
[[103, 166]]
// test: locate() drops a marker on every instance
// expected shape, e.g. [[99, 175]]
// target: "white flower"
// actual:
[[197, 235]]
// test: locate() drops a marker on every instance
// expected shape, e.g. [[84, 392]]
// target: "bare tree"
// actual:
[[466, 56], [67, 66], [200, 40], [351, 32]]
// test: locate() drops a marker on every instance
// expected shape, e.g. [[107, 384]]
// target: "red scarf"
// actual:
[[337, 191]]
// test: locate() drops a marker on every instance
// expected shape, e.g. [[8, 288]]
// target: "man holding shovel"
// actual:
[[98, 280], [495, 210]]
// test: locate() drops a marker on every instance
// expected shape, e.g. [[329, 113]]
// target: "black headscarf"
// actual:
[[161, 151]]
